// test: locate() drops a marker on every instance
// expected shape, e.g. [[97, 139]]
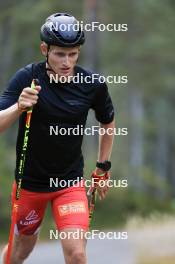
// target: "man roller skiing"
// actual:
[[50, 156]]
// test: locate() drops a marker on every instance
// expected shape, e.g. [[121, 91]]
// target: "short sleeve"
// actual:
[[13, 90], [102, 105]]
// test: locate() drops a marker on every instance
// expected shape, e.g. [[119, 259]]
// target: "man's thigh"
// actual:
[[30, 213], [70, 208]]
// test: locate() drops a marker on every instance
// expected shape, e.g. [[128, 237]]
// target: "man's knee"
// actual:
[[19, 254], [78, 257], [22, 253], [23, 246]]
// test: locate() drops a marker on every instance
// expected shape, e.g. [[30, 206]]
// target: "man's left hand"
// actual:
[[102, 188], [100, 182]]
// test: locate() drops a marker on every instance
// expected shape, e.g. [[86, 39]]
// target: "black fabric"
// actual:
[[64, 105]]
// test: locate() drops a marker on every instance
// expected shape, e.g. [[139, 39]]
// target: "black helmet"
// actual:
[[62, 30]]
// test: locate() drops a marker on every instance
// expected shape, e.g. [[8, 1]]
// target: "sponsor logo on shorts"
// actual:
[[72, 208], [30, 219]]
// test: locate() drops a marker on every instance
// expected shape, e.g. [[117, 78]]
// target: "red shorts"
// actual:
[[69, 208]]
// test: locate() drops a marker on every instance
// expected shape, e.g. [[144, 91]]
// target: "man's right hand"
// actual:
[[28, 98]]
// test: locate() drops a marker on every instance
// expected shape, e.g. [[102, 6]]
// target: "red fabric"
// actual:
[[69, 208]]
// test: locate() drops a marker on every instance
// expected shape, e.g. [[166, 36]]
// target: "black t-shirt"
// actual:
[[60, 105]]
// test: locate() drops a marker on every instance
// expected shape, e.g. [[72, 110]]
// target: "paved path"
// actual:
[[156, 238], [98, 252]]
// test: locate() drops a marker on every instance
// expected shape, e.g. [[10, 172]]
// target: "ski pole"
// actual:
[[92, 192], [20, 175], [92, 205]]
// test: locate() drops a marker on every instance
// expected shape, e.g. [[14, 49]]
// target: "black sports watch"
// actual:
[[105, 166]]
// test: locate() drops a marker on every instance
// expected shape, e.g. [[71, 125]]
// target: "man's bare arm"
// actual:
[[8, 117], [27, 99], [106, 142], [105, 149]]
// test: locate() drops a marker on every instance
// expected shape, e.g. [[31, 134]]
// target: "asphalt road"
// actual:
[[98, 252], [150, 240]]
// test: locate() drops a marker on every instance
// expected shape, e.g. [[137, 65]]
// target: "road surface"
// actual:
[[149, 240], [98, 252]]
